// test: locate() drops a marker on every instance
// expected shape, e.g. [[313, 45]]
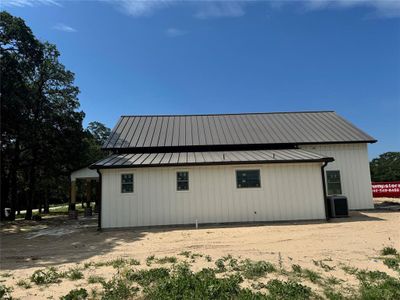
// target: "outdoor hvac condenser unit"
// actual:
[[337, 206]]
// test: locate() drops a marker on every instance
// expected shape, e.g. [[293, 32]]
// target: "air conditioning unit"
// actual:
[[337, 206]]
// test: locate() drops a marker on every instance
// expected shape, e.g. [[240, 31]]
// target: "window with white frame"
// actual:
[[248, 179], [126, 183], [182, 181], [333, 182]]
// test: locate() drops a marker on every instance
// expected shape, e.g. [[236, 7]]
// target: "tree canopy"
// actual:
[[42, 137], [386, 167]]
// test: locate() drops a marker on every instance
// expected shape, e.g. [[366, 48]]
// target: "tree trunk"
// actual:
[[4, 196], [32, 187], [13, 175], [46, 209]]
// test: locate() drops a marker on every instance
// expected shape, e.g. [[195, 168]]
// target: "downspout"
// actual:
[[324, 189], [100, 200]]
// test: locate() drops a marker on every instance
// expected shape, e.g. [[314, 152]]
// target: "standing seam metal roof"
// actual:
[[233, 129]]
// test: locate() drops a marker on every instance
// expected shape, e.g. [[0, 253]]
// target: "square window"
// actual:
[[248, 179], [127, 183], [333, 181], [182, 181]]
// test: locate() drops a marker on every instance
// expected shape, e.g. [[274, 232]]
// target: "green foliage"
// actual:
[[95, 279], [254, 269], [220, 263], [147, 277], [149, 260], [76, 294], [5, 292], [134, 262], [386, 167], [117, 263], [24, 283], [208, 258], [349, 270], [288, 290], [74, 274], [311, 275], [166, 259], [185, 254], [392, 263], [46, 276], [333, 294], [99, 132], [118, 288], [184, 284], [379, 287], [388, 251]]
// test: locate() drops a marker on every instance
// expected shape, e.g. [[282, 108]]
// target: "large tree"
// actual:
[[386, 167], [42, 138]]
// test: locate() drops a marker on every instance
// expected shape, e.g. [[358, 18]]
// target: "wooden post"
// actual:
[[73, 192], [72, 212]]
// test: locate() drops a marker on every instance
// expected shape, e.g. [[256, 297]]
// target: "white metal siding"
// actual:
[[352, 162], [288, 192]]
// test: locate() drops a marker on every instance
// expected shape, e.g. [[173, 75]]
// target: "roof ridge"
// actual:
[[234, 114]]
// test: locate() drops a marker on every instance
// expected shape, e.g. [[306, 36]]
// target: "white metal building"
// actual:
[[169, 170]]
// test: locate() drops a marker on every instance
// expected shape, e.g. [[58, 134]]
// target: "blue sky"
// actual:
[[191, 57]]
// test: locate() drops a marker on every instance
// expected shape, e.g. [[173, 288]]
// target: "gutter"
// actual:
[[324, 189], [100, 200]]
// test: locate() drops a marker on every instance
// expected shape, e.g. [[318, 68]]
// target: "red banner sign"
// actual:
[[386, 189]]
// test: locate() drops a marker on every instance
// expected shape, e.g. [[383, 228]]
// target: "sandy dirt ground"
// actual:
[[27, 246]]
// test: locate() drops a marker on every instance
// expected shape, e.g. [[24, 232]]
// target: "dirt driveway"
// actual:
[[356, 241]]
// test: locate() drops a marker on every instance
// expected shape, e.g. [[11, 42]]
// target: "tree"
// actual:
[[99, 131], [386, 167]]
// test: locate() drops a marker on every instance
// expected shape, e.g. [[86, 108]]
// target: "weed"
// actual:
[[321, 264], [388, 251], [118, 288], [332, 294], [134, 262], [87, 265], [311, 275], [288, 290], [349, 270], [208, 258], [24, 283], [166, 259], [76, 294], [5, 292], [47, 276], [185, 254], [117, 263], [297, 269], [392, 263], [149, 260], [6, 275], [385, 288], [95, 279], [74, 274], [367, 277], [220, 265], [254, 269], [147, 277], [332, 281]]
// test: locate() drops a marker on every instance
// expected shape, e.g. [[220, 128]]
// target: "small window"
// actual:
[[248, 179], [127, 183], [333, 182], [182, 181]]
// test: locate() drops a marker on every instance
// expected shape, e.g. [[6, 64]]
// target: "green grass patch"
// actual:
[[95, 279], [149, 260], [166, 259], [255, 269], [74, 274], [385, 288], [392, 263], [134, 262], [288, 290], [118, 288], [147, 277], [5, 292], [311, 275]]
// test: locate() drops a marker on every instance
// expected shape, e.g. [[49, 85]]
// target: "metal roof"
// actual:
[[135, 132], [134, 160]]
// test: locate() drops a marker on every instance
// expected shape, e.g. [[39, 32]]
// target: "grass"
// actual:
[[288, 290], [74, 274], [311, 275], [95, 279], [5, 292], [24, 284], [255, 269], [388, 251], [166, 259], [149, 260], [76, 294], [118, 288], [147, 277], [392, 263]]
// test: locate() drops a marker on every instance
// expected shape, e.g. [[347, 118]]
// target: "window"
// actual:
[[333, 183], [248, 179], [127, 183], [182, 181]]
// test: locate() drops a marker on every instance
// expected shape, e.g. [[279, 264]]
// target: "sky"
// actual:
[[195, 57]]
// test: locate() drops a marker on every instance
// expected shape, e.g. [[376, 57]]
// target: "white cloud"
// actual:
[[30, 3], [218, 9], [382, 8], [137, 8], [175, 32], [63, 27]]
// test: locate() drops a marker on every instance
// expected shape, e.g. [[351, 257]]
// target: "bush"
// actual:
[[134, 262], [23, 283], [117, 289], [95, 279], [5, 292], [166, 259], [76, 294], [184, 284], [388, 251], [150, 259], [392, 263], [288, 290], [254, 269], [74, 274], [47, 276], [220, 265], [147, 277], [383, 289]]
